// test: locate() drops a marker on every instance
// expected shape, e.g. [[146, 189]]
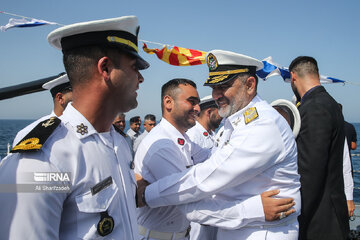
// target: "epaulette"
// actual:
[[250, 114], [36, 138]]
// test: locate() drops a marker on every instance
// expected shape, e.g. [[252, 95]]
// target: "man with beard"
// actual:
[[256, 153], [119, 125], [167, 149], [320, 149], [134, 130], [95, 191], [149, 123]]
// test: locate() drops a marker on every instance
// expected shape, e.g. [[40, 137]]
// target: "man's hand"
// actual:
[[351, 207], [141, 186], [274, 207]]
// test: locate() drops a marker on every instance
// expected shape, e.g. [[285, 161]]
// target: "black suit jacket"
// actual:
[[320, 161]]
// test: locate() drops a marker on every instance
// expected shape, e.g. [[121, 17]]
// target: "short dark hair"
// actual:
[[78, 62], [171, 86], [150, 117], [304, 65], [135, 119]]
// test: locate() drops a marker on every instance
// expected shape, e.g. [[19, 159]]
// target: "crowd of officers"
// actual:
[[75, 174]]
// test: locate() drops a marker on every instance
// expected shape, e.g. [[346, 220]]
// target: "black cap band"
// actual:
[[208, 104], [60, 88], [107, 38]]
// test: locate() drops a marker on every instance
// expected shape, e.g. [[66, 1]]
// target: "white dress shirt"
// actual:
[[132, 134], [74, 147], [348, 179], [139, 139], [251, 158], [23, 132]]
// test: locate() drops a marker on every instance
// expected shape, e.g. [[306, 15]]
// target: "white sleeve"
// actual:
[[348, 180], [27, 214], [224, 214], [202, 180], [198, 153]]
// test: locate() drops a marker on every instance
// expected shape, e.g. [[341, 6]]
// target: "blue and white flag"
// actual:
[[273, 69], [13, 22]]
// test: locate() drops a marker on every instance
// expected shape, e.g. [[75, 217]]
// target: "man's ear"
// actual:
[[250, 84], [59, 97], [104, 67], [168, 102], [208, 111]]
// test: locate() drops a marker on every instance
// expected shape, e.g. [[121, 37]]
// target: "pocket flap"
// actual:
[[99, 202]]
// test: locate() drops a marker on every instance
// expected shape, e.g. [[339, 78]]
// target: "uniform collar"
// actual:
[[238, 117], [81, 126], [203, 131], [174, 134]]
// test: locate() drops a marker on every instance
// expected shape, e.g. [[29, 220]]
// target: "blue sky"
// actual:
[[284, 29]]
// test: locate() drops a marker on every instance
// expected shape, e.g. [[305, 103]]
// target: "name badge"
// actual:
[[101, 185]]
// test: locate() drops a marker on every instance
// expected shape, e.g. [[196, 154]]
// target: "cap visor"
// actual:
[[212, 82], [140, 62]]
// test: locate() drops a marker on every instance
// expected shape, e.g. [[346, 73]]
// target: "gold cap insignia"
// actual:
[[250, 114], [212, 62]]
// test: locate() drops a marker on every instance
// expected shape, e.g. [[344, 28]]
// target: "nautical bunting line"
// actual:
[[24, 22], [178, 56], [273, 69], [174, 55]]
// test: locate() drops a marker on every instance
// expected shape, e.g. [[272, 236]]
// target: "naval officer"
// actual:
[[97, 202], [257, 152], [61, 92]]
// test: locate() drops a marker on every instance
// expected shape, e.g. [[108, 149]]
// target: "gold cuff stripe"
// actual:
[[123, 41], [229, 72]]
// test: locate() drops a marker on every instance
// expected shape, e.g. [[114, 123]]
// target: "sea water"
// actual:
[[9, 128]]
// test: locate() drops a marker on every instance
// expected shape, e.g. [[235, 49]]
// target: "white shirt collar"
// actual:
[[174, 134], [237, 117], [82, 127]]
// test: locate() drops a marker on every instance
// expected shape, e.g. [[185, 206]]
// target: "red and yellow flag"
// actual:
[[178, 56]]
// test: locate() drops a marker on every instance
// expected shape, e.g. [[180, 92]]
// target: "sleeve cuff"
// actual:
[[253, 208], [152, 197]]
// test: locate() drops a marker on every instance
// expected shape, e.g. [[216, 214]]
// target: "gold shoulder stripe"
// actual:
[[27, 144], [36, 138], [250, 114]]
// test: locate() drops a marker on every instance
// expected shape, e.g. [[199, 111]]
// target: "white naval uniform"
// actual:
[[23, 132], [160, 154], [90, 158], [199, 135], [250, 159]]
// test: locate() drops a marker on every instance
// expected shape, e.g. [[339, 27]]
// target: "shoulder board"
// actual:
[[250, 114], [36, 138]]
